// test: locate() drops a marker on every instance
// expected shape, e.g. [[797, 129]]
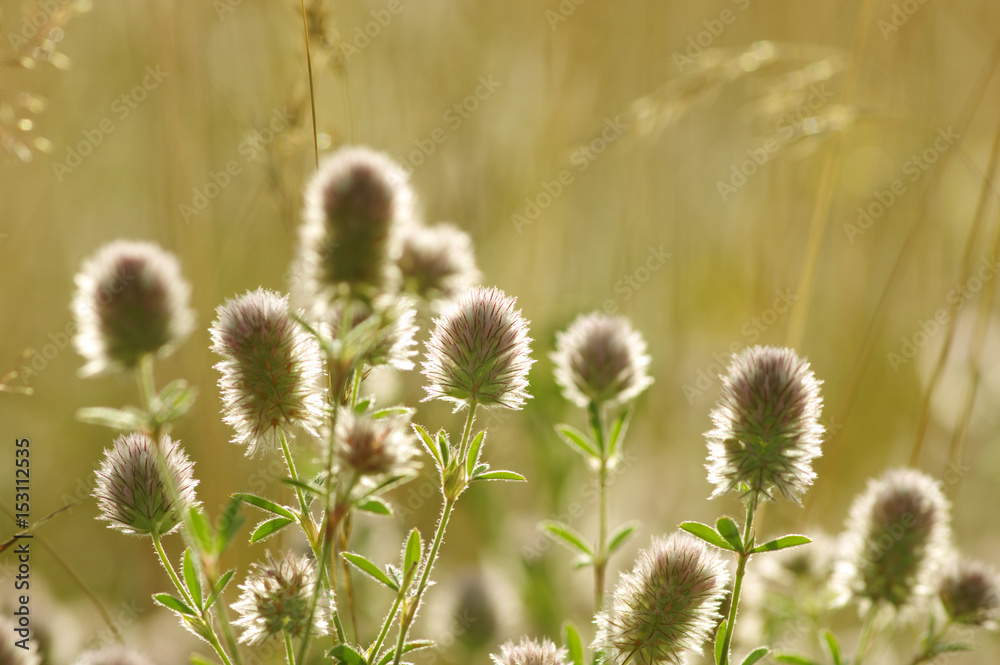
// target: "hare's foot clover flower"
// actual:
[[666, 607], [276, 598], [970, 593], [355, 206], [381, 333], [130, 491], [897, 537], [11, 650], [116, 654], [368, 446], [437, 262], [131, 301], [531, 652], [601, 359], [271, 370], [479, 352], [767, 431]]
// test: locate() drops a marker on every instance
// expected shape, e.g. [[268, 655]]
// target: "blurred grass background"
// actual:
[[848, 100]]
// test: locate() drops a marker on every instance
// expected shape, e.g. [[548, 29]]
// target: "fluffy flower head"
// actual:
[[437, 262], [970, 593], [531, 652], [113, 655], [276, 598], [372, 447]]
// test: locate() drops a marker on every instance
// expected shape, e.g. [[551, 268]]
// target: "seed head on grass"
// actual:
[[437, 262], [355, 205], [130, 491], [666, 607], [271, 369], [130, 301], [767, 430], [276, 598], [479, 352], [375, 447], [113, 655], [896, 539], [970, 593], [601, 359], [531, 652]]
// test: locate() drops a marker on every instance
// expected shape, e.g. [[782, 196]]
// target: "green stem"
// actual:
[[467, 433], [289, 654], [304, 514], [601, 560], [372, 653], [866, 633], [404, 625], [741, 565]]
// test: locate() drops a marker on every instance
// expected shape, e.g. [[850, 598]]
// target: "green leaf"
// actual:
[[123, 420], [265, 504], [474, 449], [311, 489], [833, 646], [622, 534], [794, 659], [220, 586], [174, 603], [500, 474], [370, 569], [781, 543], [755, 655], [363, 405], [191, 579], [175, 400], [393, 412], [573, 644], [618, 430], [578, 441], [228, 525], [567, 536], [346, 654], [409, 646], [444, 447], [198, 659], [429, 445], [720, 640], [727, 529], [412, 555], [269, 528], [948, 647], [202, 529], [708, 534], [376, 506]]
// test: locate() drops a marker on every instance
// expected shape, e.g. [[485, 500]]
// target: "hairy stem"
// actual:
[[866, 634], [741, 565], [372, 653]]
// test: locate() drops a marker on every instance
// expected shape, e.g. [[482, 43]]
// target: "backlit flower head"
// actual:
[[130, 491], [970, 593], [601, 359], [381, 333], [531, 652], [666, 607], [115, 654], [271, 369], [479, 352], [10, 652], [896, 540], [372, 446], [437, 262], [767, 431], [130, 301], [355, 205], [276, 598]]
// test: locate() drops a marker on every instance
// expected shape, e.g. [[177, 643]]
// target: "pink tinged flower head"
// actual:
[[531, 652], [767, 431], [479, 352], [970, 593], [666, 607], [895, 542], [371, 446], [276, 598], [115, 654], [355, 205], [381, 333], [437, 262], [601, 359], [130, 301], [271, 369], [130, 492]]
